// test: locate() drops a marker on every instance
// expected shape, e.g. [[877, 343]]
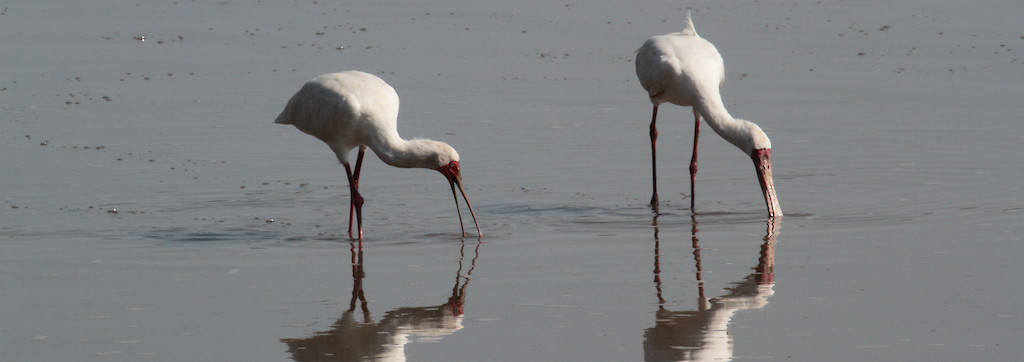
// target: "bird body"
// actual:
[[664, 58], [353, 109], [684, 69]]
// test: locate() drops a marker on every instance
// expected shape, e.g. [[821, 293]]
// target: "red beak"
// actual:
[[763, 163], [453, 173]]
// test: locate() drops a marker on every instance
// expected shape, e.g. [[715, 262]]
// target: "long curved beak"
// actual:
[[763, 164], [454, 176], [458, 182]]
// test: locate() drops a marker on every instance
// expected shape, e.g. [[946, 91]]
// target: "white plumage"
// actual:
[[684, 69], [353, 109]]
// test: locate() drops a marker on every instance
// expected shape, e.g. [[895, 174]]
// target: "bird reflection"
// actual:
[[385, 340], [703, 334]]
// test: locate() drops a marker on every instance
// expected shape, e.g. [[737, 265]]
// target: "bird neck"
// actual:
[[736, 131], [398, 152]]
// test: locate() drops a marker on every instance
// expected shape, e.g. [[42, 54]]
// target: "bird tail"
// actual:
[[286, 115], [689, 29], [283, 118]]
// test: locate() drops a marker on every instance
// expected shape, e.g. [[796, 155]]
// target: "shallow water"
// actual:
[[151, 211]]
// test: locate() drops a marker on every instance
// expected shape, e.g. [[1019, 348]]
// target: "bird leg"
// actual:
[[359, 165], [356, 200], [693, 160], [654, 155]]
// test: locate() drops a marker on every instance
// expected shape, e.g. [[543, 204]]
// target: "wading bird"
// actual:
[[684, 69], [354, 109]]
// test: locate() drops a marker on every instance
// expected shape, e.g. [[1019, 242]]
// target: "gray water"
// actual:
[[152, 211]]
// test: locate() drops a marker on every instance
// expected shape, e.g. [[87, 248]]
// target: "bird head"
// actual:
[[748, 136], [451, 171], [430, 154]]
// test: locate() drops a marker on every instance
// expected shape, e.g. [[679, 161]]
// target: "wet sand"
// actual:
[[152, 211]]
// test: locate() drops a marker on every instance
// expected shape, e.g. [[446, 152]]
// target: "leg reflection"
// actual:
[[703, 333], [351, 340]]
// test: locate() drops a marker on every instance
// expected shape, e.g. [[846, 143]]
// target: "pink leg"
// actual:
[[356, 200], [654, 155], [693, 160]]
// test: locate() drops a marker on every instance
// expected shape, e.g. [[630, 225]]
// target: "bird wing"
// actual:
[[325, 111], [654, 68]]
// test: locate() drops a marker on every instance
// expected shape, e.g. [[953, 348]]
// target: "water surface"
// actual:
[[151, 211]]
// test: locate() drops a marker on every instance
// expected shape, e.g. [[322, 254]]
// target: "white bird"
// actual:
[[684, 69], [355, 109]]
